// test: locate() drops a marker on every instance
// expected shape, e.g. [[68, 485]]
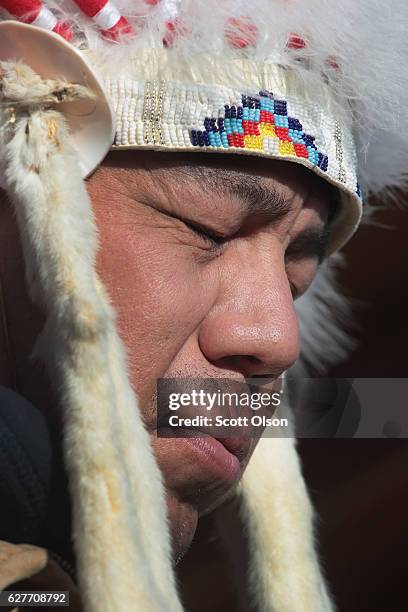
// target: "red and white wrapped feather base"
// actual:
[[35, 13], [107, 17]]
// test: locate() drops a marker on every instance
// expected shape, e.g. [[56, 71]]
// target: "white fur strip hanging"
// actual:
[[285, 574], [120, 529]]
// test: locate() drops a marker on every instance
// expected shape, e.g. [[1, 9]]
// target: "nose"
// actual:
[[252, 328]]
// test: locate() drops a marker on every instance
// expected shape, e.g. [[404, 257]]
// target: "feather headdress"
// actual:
[[317, 83]]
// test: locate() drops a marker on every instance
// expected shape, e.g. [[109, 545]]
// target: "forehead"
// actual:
[[224, 193], [251, 177]]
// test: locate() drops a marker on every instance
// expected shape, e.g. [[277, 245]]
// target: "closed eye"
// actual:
[[212, 239], [311, 243]]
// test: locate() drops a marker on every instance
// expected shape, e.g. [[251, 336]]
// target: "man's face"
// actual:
[[202, 257]]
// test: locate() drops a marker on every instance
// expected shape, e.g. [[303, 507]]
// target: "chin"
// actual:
[[183, 519], [199, 473]]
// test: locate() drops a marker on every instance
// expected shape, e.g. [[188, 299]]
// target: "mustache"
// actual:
[[211, 379], [225, 397]]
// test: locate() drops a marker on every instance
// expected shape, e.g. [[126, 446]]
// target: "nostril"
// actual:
[[248, 366], [241, 364]]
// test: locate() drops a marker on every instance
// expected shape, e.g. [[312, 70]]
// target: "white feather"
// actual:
[[326, 322], [367, 39]]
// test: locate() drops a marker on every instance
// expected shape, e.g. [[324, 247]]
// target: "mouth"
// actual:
[[225, 458], [203, 456], [239, 446], [225, 463]]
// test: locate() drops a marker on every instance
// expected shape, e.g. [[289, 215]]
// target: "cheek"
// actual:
[[159, 292]]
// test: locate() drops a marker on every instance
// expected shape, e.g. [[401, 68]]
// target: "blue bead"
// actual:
[[194, 138]]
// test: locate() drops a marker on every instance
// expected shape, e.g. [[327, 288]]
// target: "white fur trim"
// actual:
[[119, 512], [284, 572]]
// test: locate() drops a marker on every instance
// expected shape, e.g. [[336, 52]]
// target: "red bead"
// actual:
[[301, 150], [282, 133], [268, 117]]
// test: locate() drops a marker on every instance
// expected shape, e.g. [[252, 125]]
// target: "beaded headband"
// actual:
[[180, 115]]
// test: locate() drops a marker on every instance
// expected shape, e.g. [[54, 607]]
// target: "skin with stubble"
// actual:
[[202, 257]]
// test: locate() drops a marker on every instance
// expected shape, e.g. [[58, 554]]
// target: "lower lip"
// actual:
[[224, 465]]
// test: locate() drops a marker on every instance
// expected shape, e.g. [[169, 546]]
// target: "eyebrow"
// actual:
[[264, 200], [250, 190]]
